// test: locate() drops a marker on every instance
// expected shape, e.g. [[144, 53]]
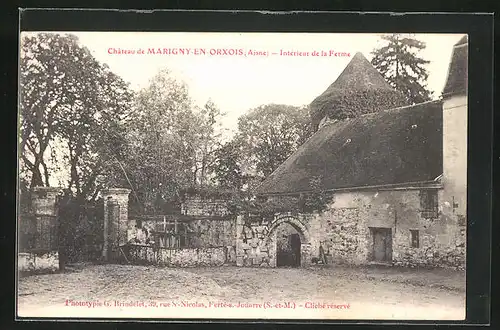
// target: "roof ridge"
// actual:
[[381, 111], [410, 106]]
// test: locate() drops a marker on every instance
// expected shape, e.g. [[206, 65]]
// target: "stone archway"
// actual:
[[302, 231]]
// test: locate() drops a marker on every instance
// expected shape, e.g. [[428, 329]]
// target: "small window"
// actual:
[[429, 203], [415, 241]]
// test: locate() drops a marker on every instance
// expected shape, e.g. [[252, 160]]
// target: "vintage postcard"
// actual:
[[242, 175]]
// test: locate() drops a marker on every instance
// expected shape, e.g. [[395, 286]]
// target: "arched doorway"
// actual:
[[287, 246], [289, 242]]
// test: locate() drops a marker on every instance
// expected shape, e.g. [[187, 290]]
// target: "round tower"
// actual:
[[359, 89]]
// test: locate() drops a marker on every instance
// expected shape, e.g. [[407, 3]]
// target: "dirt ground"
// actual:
[[231, 292]]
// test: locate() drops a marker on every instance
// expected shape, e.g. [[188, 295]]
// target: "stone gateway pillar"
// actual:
[[43, 222], [43, 200], [115, 221]]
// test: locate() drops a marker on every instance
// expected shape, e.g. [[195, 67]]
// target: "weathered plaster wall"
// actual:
[[344, 229], [455, 155], [341, 235], [118, 197], [453, 198]]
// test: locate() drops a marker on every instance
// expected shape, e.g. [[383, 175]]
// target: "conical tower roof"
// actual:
[[462, 41], [456, 82], [359, 89]]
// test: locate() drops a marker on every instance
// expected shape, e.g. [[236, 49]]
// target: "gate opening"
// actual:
[[288, 246]]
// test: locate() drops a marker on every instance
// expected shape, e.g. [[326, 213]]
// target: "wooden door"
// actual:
[[382, 244], [295, 244], [288, 250]]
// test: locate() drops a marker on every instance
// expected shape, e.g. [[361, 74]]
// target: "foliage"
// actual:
[[67, 96], [399, 62], [171, 143], [355, 103], [227, 166], [156, 141], [210, 192], [269, 134], [315, 201], [358, 90], [80, 226], [208, 135]]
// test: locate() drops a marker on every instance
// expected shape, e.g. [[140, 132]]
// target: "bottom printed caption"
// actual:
[[189, 304]]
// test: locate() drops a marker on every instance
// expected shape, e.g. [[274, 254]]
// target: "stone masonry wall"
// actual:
[[210, 239], [179, 257], [346, 237], [198, 206], [38, 262], [342, 237], [252, 248], [202, 232], [256, 241]]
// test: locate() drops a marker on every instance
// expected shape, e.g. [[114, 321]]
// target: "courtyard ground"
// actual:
[[336, 292]]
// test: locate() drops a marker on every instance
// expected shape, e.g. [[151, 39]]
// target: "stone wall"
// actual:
[[342, 238], [256, 240], [200, 206], [187, 257], [206, 236], [202, 232], [252, 246], [344, 229], [43, 200], [30, 262]]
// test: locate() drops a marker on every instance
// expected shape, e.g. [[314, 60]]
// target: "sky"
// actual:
[[239, 83]]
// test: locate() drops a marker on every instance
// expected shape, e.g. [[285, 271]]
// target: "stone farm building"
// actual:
[[396, 176]]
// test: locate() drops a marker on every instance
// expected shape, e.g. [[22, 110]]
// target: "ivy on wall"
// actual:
[[267, 207], [261, 207]]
